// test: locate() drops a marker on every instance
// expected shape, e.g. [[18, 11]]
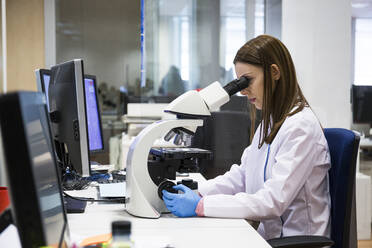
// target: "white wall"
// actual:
[[318, 35]]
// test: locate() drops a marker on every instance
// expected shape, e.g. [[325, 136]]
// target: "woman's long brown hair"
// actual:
[[280, 97]]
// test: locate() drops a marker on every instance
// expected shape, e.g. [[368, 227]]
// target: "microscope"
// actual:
[[147, 174]]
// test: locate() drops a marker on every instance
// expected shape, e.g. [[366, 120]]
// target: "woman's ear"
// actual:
[[275, 72]]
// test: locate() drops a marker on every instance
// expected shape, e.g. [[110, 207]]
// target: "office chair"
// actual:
[[343, 146]]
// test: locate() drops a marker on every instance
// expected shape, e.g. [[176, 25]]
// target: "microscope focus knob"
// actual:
[[166, 185], [188, 182]]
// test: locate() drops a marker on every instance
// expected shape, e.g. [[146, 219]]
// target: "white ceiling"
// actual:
[[361, 8]]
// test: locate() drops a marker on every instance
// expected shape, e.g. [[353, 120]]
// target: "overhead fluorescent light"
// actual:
[[359, 5]]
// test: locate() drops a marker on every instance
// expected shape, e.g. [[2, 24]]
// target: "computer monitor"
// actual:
[[93, 114], [42, 81], [68, 115], [92, 107], [35, 193], [361, 99]]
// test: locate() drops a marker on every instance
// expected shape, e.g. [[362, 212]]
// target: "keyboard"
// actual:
[[77, 184], [108, 181]]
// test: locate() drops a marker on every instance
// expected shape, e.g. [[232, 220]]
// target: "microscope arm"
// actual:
[[194, 104]]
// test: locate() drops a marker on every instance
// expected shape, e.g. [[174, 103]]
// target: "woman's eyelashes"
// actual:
[[248, 77]]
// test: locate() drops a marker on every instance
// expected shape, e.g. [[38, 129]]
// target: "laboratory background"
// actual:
[[146, 53]]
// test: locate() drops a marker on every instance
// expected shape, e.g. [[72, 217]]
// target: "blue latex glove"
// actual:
[[181, 205]]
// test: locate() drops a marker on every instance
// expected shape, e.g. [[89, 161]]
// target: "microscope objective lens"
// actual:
[[169, 135]]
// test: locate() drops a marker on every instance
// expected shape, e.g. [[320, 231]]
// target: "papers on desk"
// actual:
[[112, 189], [102, 167], [90, 192]]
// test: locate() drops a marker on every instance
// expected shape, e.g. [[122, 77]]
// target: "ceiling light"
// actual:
[[359, 5]]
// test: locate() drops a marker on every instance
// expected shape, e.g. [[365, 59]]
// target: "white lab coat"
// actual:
[[294, 199]]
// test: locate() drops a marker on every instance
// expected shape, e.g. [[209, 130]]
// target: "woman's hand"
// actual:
[[181, 205]]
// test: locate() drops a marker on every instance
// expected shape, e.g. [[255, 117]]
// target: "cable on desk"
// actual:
[[116, 200]]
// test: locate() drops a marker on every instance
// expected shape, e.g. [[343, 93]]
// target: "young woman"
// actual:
[[282, 180]]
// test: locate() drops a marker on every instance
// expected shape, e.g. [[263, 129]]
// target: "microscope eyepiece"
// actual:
[[237, 85]]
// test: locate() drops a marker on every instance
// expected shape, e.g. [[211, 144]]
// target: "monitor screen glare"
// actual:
[[46, 79]]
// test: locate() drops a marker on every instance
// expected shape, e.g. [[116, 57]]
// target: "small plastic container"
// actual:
[[121, 235]]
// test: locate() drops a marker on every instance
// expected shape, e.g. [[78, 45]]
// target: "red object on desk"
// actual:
[[4, 199]]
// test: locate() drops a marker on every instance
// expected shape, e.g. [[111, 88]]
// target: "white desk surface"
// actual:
[[167, 230]]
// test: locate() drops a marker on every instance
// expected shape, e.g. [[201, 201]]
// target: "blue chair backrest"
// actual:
[[343, 145]]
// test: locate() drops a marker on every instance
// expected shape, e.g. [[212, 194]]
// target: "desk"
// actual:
[[365, 143], [179, 232]]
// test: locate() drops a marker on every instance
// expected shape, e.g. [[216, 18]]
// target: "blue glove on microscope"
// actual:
[[181, 205]]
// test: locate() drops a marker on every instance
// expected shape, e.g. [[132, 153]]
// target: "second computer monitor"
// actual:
[[93, 114], [95, 135]]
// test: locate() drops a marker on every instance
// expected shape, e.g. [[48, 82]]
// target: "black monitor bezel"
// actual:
[[355, 118], [14, 138], [42, 83], [94, 78]]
